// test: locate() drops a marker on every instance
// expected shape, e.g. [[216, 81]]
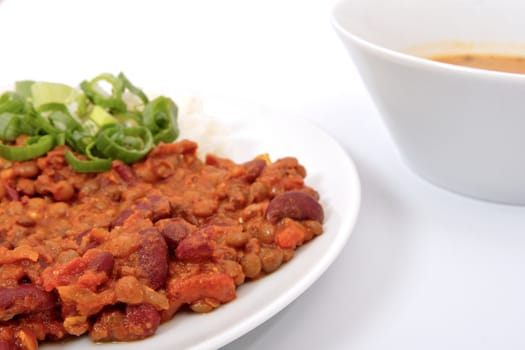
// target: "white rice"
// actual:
[[205, 129]]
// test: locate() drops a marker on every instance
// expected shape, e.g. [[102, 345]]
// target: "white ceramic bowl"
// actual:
[[460, 128]]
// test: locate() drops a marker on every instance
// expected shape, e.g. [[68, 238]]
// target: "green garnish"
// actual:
[[126, 144], [94, 165], [98, 121], [160, 117], [34, 147], [111, 100]]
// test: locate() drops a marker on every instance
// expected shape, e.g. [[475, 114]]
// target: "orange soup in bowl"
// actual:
[[502, 63]]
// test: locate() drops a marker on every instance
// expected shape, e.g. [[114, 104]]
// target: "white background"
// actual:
[[423, 269]]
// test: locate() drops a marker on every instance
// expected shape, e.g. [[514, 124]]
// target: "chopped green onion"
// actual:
[[12, 102], [133, 89], [126, 144], [129, 118], [160, 116], [79, 140], [113, 100], [9, 126], [13, 125], [34, 147], [58, 116], [90, 127], [105, 123], [88, 166], [60, 139]]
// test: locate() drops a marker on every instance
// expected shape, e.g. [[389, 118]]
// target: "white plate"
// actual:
[[250, 132]]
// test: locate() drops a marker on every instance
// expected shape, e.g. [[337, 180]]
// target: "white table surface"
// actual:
[[423, 269]]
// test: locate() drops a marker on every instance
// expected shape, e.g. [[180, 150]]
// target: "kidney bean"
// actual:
[[153, 258], [24, 299], [295, 205], [174, 230], [11, 193], [80, 236], [121, 217], [101, 262], [154, 206], [143, 317], [124, 171], [8, 345], [196, 247], [253, 169]]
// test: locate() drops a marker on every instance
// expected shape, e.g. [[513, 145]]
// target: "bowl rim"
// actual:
[[401, 57]]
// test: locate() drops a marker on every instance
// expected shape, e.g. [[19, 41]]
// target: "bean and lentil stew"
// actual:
[[114, 254]]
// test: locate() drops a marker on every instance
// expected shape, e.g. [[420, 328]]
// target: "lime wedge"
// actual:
[[24, 88], [44, 92]]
